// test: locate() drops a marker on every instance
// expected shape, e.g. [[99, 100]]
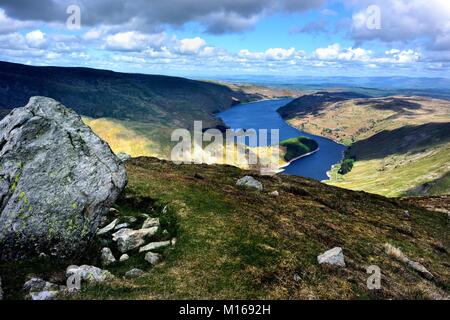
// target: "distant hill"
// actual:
[[101, 93], [150, 105], [400, 144]]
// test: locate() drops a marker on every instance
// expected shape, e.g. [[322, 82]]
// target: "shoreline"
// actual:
[[281, 169]]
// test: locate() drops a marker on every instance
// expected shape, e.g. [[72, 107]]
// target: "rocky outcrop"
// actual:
[[250, 182], [333, 257], [57, 181]]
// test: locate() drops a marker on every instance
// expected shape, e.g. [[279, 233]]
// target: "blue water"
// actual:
[[263, 115]]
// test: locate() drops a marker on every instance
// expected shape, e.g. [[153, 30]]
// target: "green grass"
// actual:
[[297, 147], [236, 243]]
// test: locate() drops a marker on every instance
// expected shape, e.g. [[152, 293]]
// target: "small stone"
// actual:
[[153, 258], [150, 222], [297, 278], [275, 193], [250, 182], [121, 226], [107, 257], [154, 246], [134, 273], [124, 257], [110, 227], [113, 211], [173, 242], [334, 257], [407, 214]]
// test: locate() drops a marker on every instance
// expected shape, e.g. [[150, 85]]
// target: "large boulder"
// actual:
[[57, 180]]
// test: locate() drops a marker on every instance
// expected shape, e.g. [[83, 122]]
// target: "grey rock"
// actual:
[[400, 256], [333, 257], [275, 193], [38, 289], [124, 257], [89, 274], [57, 180], [107, 257], [250, 182], [150, 222], [43, 295], [173, 242], [154, 246], [421, 269], [121, 226], [110, 227], [153, 258], [123, 156], [134, 273], [128, 239]]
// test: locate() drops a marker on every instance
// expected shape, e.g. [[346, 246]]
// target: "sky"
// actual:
[[232, 37]]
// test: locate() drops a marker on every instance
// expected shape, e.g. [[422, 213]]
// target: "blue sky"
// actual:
[[227, 37]]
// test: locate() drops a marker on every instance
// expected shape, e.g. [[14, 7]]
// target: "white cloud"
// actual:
[[134, 41], [335, 52], [191, 46], [405, 20], [275, 54], [35, 39]]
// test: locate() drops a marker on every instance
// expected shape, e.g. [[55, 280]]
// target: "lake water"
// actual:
[[264, 115]]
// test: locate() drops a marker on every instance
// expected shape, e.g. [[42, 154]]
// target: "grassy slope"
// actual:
[[297, 147], [238, 243], [150, 105], [389, 161]]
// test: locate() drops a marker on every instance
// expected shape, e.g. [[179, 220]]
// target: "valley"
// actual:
[[398, 144]]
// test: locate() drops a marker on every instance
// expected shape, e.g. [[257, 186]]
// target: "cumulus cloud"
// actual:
[[403, 20], [35, 39], [335, 52], [191, 46], [134, 41], [274, 54]]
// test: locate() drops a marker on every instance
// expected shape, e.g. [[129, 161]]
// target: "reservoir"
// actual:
[[264, 115]]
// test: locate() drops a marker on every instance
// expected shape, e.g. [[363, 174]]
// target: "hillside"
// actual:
[[399, 144], [239, 243], [149, 105]]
